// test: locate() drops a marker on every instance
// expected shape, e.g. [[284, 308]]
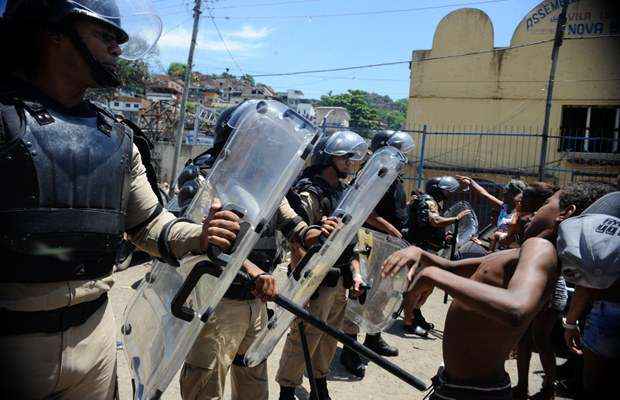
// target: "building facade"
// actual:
[[465, 85]]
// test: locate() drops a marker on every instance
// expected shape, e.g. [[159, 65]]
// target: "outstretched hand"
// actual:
[[408, 257]]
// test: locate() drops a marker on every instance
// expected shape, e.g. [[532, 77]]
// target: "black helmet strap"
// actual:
[[102, 75]]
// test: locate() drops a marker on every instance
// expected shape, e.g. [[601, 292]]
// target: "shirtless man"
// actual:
[[495, 297]]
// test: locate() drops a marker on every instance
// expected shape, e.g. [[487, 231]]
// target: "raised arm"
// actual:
[[437, 221], [519, 302], [467, 181]]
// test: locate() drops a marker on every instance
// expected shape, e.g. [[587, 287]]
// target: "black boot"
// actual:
[[352, 362], [287, 393], [415, 328], [421, 322], [376, 343], [322, 392]]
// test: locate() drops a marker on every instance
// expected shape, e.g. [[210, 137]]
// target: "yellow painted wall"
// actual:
[[506, 89]]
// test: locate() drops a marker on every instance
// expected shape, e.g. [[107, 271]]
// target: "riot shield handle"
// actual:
[[177, 306], [217, 255], [340, 336], [365, 288], [296, 272]]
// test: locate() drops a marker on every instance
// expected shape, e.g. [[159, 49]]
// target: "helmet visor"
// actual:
[[402, 141], [358, 153], [347, 143], [138, 26]]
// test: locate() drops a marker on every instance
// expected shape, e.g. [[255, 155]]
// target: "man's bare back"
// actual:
[[495, 299], [475, 346]]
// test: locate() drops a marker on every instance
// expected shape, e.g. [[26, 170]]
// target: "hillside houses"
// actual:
[[156, 109]]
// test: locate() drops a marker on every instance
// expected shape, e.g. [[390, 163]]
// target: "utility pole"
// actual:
[[188, 78], [557, 43]]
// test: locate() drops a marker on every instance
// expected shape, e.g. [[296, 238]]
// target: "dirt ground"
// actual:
[[419, 356]]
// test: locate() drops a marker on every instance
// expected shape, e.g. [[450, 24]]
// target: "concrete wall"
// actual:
[[506, 89]]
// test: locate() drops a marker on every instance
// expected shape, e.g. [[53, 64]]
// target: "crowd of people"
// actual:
[[508, 290], [82, 182]]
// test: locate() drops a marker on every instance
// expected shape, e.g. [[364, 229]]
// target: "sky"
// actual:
[[276, 36]]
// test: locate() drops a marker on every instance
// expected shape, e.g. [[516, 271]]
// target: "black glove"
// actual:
[[188, 179], [187, 184]]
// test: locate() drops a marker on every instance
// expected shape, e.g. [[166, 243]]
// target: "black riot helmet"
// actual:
[[401, 140], [136, 28], [439, 186], [341, 143], [221, 133]]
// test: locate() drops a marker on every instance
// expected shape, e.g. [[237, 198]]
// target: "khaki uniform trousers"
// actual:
[[349, 327], [79, 363], [330, 307], [230, 331]]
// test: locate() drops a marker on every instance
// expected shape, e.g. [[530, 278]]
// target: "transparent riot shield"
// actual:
[[354, 208], [468, 226], [375, 310], [261, 160]]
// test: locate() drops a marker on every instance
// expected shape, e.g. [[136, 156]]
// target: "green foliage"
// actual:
[[369, 110], [191, 107], [392, 119], [134, 75], [177, 70], [402, 105], [248, 78]]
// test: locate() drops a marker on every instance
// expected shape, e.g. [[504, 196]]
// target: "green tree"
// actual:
[[177, 70], [392, 119], [248, 78], [402, 105], [134, 75], [364, 118]]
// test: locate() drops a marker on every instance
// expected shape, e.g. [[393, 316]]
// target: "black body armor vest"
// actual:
[[421, 232], [67, 182], [329, 198]]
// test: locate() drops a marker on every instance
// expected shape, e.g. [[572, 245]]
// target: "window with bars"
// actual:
[[590, 129]]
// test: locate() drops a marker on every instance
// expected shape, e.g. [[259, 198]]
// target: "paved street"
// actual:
[[419, 356]]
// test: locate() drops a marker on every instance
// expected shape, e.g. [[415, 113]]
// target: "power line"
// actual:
[[217, 29], [265, 4], [177, 26], [361, 13], [384, 64]]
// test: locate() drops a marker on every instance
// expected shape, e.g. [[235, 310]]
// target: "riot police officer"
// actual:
[[77, 184], [389, 216], [314, 197], [241, 314], [427, 231]]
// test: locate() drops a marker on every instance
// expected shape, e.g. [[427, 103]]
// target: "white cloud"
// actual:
[[248, 32], [240, 42]]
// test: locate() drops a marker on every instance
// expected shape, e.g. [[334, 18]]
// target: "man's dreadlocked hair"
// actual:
[[582, 194]]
